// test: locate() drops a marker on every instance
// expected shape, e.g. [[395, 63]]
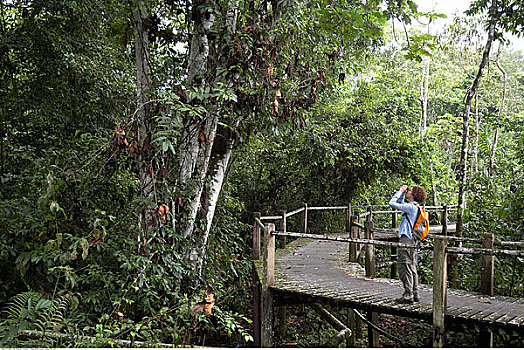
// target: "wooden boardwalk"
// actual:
[[317, 271]]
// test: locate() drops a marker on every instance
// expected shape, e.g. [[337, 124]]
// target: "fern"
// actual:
[[15, 308], [53, 319], [29, 311]]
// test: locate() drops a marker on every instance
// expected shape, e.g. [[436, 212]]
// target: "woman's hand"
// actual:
[[403, 188]]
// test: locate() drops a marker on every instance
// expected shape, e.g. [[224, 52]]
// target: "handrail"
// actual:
[[455, 250], [484, 251], [327, 208], [359, 225], [457, 238], [259, 223], [278, 217], [299, 210], [349, 240], [509, 244]]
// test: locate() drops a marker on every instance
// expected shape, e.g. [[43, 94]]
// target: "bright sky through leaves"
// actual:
[[450, 7]]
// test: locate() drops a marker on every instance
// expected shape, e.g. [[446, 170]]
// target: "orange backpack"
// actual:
[[421, 228]]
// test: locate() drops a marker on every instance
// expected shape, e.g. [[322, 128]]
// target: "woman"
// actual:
[[406, 200]]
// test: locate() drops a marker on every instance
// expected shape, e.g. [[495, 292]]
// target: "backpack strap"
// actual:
[[409, 222]]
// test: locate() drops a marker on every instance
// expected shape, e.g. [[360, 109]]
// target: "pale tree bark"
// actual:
[[477, 125], [199, 172], [501, 110], [221, 154], [200, 156], [143, 116], [433, 187], [199, 133], [494, 17], [218, 170], [423, 95]]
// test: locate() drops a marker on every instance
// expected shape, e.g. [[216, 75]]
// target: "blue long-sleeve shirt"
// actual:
[[397, 202]]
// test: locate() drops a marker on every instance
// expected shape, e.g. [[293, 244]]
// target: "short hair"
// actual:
[[419, 193]]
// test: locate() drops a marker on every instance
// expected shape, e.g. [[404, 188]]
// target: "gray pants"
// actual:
[[407, 268]]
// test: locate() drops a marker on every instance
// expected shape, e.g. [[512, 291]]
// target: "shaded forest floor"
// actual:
[[306, 329]]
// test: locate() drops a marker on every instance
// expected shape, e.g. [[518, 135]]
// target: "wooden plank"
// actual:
[[517, 321], [506, 319], [469, 313]]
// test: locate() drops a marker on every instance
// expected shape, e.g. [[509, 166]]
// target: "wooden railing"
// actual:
[[352, 236]]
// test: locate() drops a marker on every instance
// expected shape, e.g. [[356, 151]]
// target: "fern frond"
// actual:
[[13, 309], [53, 319]]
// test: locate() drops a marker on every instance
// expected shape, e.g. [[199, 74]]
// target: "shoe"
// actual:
[[416, 298], [403, 301]]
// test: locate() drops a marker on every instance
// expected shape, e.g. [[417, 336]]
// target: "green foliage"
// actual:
[[29, 311], [319, 111]]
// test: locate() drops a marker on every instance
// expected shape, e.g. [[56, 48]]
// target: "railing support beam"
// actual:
[[266, 314], [486, 285], [373, 336], [304, 219], [282, 310], [256, 282], [439, 290], [393, 272]]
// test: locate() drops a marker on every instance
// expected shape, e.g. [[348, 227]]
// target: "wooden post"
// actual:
[[486, 286], [444, 220], [353, 233], [283, 227], [304, 219], [266, 312], [256, 282], [393, 272], [353, 321], [348, 219], [282, 310], [439, 290], [352, 324], [488, 266], [256, 236], [373, 335], [370, 248]]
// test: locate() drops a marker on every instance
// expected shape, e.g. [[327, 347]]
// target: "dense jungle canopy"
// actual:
[[138, 137]]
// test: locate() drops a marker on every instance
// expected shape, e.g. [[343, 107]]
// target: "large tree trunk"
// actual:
[[218, 169], [217, 159], [494, 18], [143, 117], [199, 133], [501, 109], [195, 187]]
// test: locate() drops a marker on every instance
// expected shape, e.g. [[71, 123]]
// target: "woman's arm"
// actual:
[[397, 202]]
